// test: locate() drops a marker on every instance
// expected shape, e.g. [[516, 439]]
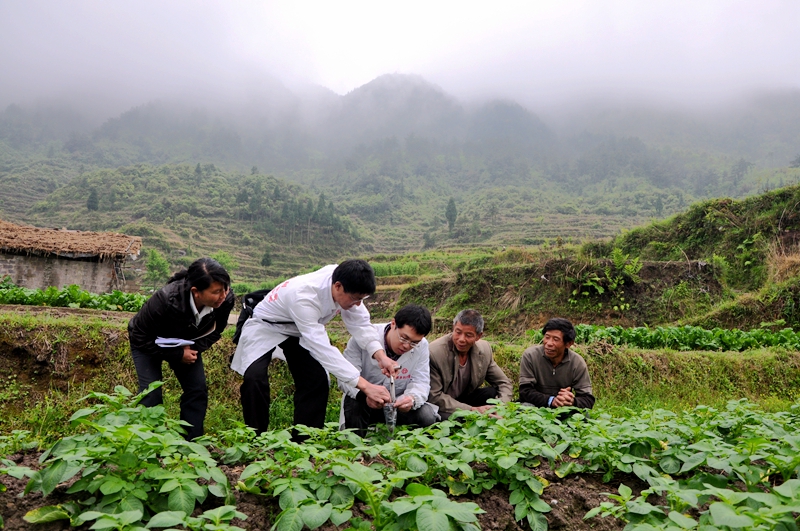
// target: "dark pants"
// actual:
[[310, 383], [476, 398], [192, 377], [358, 415]]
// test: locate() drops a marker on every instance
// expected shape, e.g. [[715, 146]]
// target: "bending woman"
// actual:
[[193, 306]]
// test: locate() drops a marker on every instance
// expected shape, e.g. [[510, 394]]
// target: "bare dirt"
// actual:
[[570, 498]]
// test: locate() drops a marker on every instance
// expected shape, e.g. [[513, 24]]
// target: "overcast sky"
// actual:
[[125, 53]]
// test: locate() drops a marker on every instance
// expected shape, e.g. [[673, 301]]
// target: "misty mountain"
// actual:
[[398, 147]]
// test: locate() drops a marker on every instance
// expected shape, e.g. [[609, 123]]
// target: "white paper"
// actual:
[[172, 342]]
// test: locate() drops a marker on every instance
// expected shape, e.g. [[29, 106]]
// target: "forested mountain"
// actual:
[[386, 158]]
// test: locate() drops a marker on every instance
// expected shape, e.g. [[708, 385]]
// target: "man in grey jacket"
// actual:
[[552, 375], [404, 342], [460, 362]]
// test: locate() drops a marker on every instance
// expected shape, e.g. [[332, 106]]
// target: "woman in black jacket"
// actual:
[[194, 307]]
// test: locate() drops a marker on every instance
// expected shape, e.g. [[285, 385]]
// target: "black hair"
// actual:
[[417, 317], [356, 277], [470, 318], [559, 323], [201, 273]]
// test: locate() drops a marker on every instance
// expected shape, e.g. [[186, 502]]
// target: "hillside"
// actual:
[[390, 154]]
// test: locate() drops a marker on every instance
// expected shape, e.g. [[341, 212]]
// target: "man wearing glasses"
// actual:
[[404, 342], [292, 318]]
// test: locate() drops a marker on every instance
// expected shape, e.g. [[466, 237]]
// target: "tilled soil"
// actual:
[[570, 498]]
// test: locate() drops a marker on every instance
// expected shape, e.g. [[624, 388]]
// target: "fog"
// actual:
[[106, 57]]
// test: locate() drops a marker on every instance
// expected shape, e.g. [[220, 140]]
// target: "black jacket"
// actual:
[[168, 313]]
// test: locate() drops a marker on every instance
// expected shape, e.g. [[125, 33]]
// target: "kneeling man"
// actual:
[[460, 362], [404, 342], [552, 375]]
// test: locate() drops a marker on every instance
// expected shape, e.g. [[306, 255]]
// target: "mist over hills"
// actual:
[[390, 153]]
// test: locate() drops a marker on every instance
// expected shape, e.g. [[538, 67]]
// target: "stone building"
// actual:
[[38, 258]]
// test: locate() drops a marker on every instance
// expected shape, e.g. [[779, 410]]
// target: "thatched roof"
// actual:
[[67, 243]]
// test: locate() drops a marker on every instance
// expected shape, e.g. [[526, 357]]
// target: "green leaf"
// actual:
[[624, 490], [670, 464], [339, 517], [49, 513], [314, 515], [85, 412], [693, 461], [112, 484], [167, 519], [292, 497], [415, 464], [724, 514], [541, 506], [289, 520], [341, 497], [682, 521], [417, 489], [537, 521], [516, 497], [429, 519], [462, 512], [181, 499], [507, 461]]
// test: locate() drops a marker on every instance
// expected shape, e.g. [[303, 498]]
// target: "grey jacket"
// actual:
[[539, 380], [444, 364]]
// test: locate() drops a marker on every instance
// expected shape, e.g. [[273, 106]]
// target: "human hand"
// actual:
[[373, 404], [377, 395], [404, 403], [388, 366], [481, 409], [189, 355], [563, 398]]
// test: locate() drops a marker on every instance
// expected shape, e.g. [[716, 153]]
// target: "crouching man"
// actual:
[[404, 341], [460, 363], [552, 375]]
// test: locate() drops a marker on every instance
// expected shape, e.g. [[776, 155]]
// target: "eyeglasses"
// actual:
[[357, 299], [406, 341]]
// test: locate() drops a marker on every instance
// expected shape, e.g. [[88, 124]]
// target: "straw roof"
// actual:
[[66, 243]]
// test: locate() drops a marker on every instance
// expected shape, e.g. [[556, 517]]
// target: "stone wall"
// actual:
[[39, 272]]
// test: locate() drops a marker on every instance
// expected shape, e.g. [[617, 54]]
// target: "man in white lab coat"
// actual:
[[293, 317]]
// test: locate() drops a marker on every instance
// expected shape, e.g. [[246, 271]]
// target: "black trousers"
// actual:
[[310, 383], [479, 396], [476, 398], [192, 377], [358, 415]]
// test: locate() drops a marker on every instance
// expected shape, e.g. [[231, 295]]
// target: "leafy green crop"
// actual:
[[704, 469], [133, 463], [71, 296], [683, 337]]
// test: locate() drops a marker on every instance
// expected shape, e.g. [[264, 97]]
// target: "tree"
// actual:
[[266, 259], [796, 162], [451, 213], [157, 268], [254, 170], [226, 260], [93, 203]]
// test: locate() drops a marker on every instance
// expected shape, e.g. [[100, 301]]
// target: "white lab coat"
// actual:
[[306, 302]]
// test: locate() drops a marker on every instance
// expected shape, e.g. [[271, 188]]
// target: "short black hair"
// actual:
[[202, 273], [356, 277], [559, 323], [417, 317]]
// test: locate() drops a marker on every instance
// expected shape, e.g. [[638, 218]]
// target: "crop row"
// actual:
[[71, 296], [683, 337], [128, 467]]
